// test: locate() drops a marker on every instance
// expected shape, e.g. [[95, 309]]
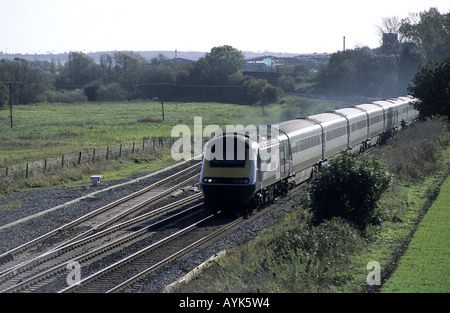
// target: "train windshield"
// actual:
[[227, 163], [227, 158]]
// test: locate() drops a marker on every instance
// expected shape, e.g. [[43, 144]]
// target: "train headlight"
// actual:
[[226, 180]]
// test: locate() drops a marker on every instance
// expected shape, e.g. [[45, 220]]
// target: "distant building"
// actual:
[[390, 43], [267, 63]]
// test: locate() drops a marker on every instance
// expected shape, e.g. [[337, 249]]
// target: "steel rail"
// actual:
[[134, 256], [126, 212], [56, 252], [98, 251], [174, 256], [9, 255]]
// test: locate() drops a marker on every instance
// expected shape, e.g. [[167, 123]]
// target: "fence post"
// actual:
[[26, 171], [93, 155], [143, 145], [120, 151], [62, 161], [79, 158], [133, 147], [107, 152], [45, 167], [6, 171]]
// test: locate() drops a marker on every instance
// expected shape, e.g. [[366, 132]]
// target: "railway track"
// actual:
[[53, 266], [123, 275], [149, 248], [131, 273], [95, 228]]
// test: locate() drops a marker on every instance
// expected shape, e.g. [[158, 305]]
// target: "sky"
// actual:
[[292, 26]]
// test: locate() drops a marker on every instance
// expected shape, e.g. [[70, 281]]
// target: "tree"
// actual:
[[431, 85], [430, 31], [350, 71], [349, 187], [129, 72], [287, 83], [220, 63], [80, 70], [27, 81], [270, 94], [106, 66], [4, 94], [408, 65]]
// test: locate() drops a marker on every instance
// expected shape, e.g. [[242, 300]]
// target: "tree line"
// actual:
[[126, 75], [388, 70], [410, 46]]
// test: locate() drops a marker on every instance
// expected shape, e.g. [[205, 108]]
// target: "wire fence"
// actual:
[[52, 165]]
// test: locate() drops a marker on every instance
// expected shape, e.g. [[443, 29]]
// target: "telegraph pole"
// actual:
[[162, 100], [10, 103]]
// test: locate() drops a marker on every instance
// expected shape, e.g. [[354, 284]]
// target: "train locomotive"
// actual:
[[244, 170]]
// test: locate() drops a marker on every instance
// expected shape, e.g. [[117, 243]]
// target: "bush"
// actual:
[[111, 92], [414, 153], [430, 86], [349, 187], [312, 258], [73, 96]]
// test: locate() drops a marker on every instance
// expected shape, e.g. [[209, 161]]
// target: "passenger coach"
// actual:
[[248, 169]]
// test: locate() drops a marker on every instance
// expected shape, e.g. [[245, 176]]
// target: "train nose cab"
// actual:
[[228, 173]]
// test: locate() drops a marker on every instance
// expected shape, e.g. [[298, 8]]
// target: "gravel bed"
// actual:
[[33, 202], [239, 236]]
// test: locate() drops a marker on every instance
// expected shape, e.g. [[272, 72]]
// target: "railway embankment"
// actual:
[[424, 266], [296, 256]]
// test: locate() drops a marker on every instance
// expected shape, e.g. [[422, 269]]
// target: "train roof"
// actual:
[[350, 112], [326, 119], [388, 103], [295, 125], [369, 107], [408, 99]]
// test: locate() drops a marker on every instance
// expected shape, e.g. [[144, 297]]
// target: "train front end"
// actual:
[[228, 175]]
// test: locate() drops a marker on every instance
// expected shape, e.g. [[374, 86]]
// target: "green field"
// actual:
[[59, 132], [48, 130], [425, 267]]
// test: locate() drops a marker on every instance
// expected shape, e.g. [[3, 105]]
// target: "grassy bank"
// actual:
[[425, 265], [296, 256]]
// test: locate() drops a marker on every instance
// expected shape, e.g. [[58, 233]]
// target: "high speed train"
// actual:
[[249, 168]]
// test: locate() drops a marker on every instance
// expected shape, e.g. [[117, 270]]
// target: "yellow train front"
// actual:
[[229, 172]]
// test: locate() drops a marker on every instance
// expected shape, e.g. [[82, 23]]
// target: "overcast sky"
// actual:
[[295, 26]]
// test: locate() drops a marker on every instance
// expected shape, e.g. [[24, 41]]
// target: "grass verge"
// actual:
[[425, 265], [79, 175]]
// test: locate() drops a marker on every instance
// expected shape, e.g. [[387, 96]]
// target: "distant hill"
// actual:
[[189, 55], [63, 57]]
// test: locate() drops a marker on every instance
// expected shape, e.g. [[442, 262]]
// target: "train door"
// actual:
[[283, 161]]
